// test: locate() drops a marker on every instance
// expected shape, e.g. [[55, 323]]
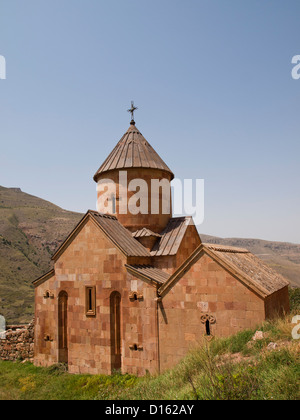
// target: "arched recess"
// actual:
[[115, 330], [63, 327]]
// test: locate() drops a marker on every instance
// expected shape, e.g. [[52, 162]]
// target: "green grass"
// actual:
[[27, 382], [294, 295], [207, 373]]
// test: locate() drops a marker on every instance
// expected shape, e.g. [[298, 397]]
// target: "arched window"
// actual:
[[63, 327], [134, 296], [115, 330]]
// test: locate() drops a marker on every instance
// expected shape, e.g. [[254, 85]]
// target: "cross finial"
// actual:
[[131, 110]]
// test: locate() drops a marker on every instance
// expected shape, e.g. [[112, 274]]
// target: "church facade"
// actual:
[[135, 292]]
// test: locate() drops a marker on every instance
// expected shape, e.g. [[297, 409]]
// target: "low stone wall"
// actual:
[[18, 343]]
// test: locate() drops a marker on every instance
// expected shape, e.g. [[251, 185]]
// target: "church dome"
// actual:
[[132, 151]]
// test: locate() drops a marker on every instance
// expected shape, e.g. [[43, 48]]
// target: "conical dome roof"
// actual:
[[132, 151]]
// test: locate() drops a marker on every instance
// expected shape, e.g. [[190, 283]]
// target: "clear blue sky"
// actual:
[[212, 80]]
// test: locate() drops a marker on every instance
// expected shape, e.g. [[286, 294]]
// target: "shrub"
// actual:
[[295, 299]]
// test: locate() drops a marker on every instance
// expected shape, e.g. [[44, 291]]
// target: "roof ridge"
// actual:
[[226, 248], [123, 240], [105, 215], [148, 232], [114, 231]]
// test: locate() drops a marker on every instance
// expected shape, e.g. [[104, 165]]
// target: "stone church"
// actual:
[[135, 292]]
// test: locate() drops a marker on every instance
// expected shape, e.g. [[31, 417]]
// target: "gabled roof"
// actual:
[[248, 268], [142, 233], [112, 228], [172, 237], [252, 267], [149, 273], [132, 151]]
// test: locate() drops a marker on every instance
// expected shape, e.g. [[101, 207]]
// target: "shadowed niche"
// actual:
[[63, 327], [115, 330]]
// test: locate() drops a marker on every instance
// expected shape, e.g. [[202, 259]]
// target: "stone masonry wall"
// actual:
[[18, 343], [91, 260], [206, 289]]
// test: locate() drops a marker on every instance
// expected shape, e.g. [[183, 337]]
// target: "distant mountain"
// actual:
[[31, 229]]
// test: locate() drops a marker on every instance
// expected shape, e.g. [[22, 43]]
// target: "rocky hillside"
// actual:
[[30, 231]]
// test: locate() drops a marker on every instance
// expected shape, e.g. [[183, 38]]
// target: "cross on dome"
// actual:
[[131, 110]]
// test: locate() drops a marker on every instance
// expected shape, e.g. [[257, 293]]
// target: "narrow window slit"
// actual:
[[207, 327], [90, 300]]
